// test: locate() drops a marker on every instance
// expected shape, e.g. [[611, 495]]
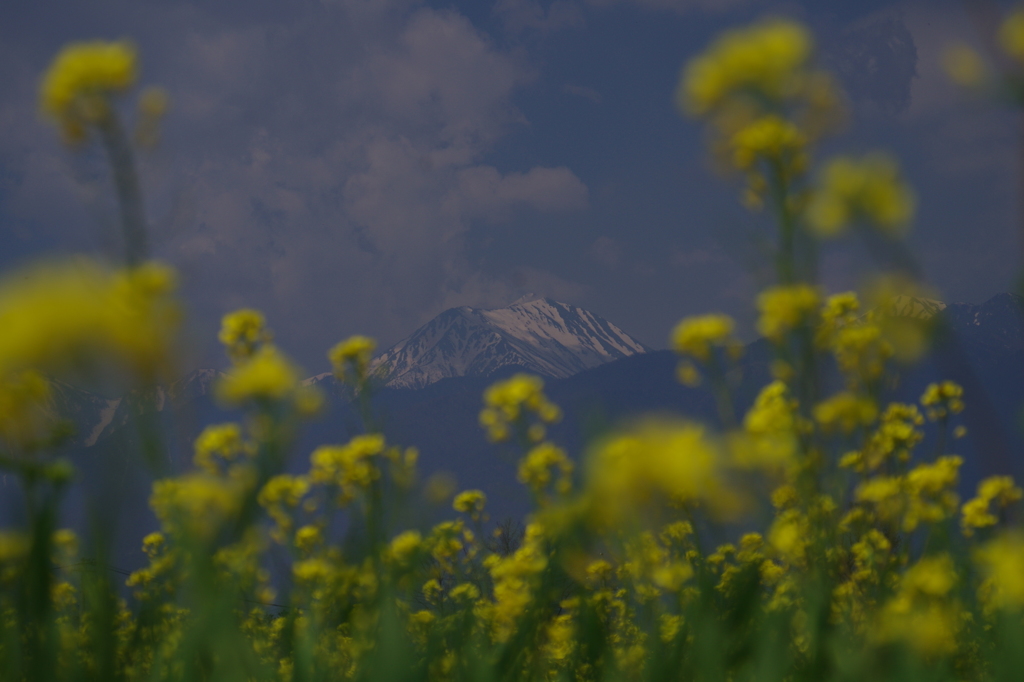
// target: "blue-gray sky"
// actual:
[[358, 166]]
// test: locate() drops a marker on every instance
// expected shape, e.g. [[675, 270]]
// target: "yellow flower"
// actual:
[[79, 316], [314, 570], [697, 335], [764, 60], [278, 496], [885, 493], [921, 613], [75, 88], [790, 535], [893, 439], [870, 189], [976, 514], [847, 411], [861, 351], [470, 502], [964, 66], [26, 420], [1002, 561], [153, 543], [933, 576], [308, 537], [219, 440], [198, 504], [535, 469], [465, 591], [355, 354], [771, 429], [266, 376], [352, 467], [943, 399], [243, 332], [688, 374], [404, 545], [784, 308], [998, 489], [673, 461], [14, 546], [514, 578], [508, 403], [772, 139], [903, 309]]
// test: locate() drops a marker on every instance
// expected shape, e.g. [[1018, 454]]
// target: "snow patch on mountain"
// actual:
[[106, 416]]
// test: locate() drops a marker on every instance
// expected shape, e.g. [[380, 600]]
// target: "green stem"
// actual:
[[126, 181], [787, 224], [720, 389]]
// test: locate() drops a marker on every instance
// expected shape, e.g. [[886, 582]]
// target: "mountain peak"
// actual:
[[548, 338], [527, 298]]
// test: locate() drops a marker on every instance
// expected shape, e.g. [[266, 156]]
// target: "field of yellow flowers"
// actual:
[[807, 539]]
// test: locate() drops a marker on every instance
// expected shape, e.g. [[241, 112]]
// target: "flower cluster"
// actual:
[[510, 404], [870, 190]]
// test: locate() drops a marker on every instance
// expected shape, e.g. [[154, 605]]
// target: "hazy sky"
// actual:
[[358, 166]]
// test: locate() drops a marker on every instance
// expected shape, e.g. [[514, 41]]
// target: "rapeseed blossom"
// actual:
[[870, 189], [964, 66], [845, 411], [199, 504], [77, 316], [977, 512], [921, 613], [1002, 561], [470, 502], [890, 443], [351, 358], [76, 88], [508, 404], [220, 440], [656, 460], [697, 335], [26, 421], [352, 467], [784, 308], [267, 375], [771, 431], [770, 139], [243, 332], [942, 400], [536, 467], [766, 61]]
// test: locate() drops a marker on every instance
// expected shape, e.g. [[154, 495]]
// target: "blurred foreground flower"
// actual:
[[656, 463], [868, 190], [81, 317]]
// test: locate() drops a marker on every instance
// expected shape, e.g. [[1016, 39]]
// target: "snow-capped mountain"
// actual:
[[534, 333]]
